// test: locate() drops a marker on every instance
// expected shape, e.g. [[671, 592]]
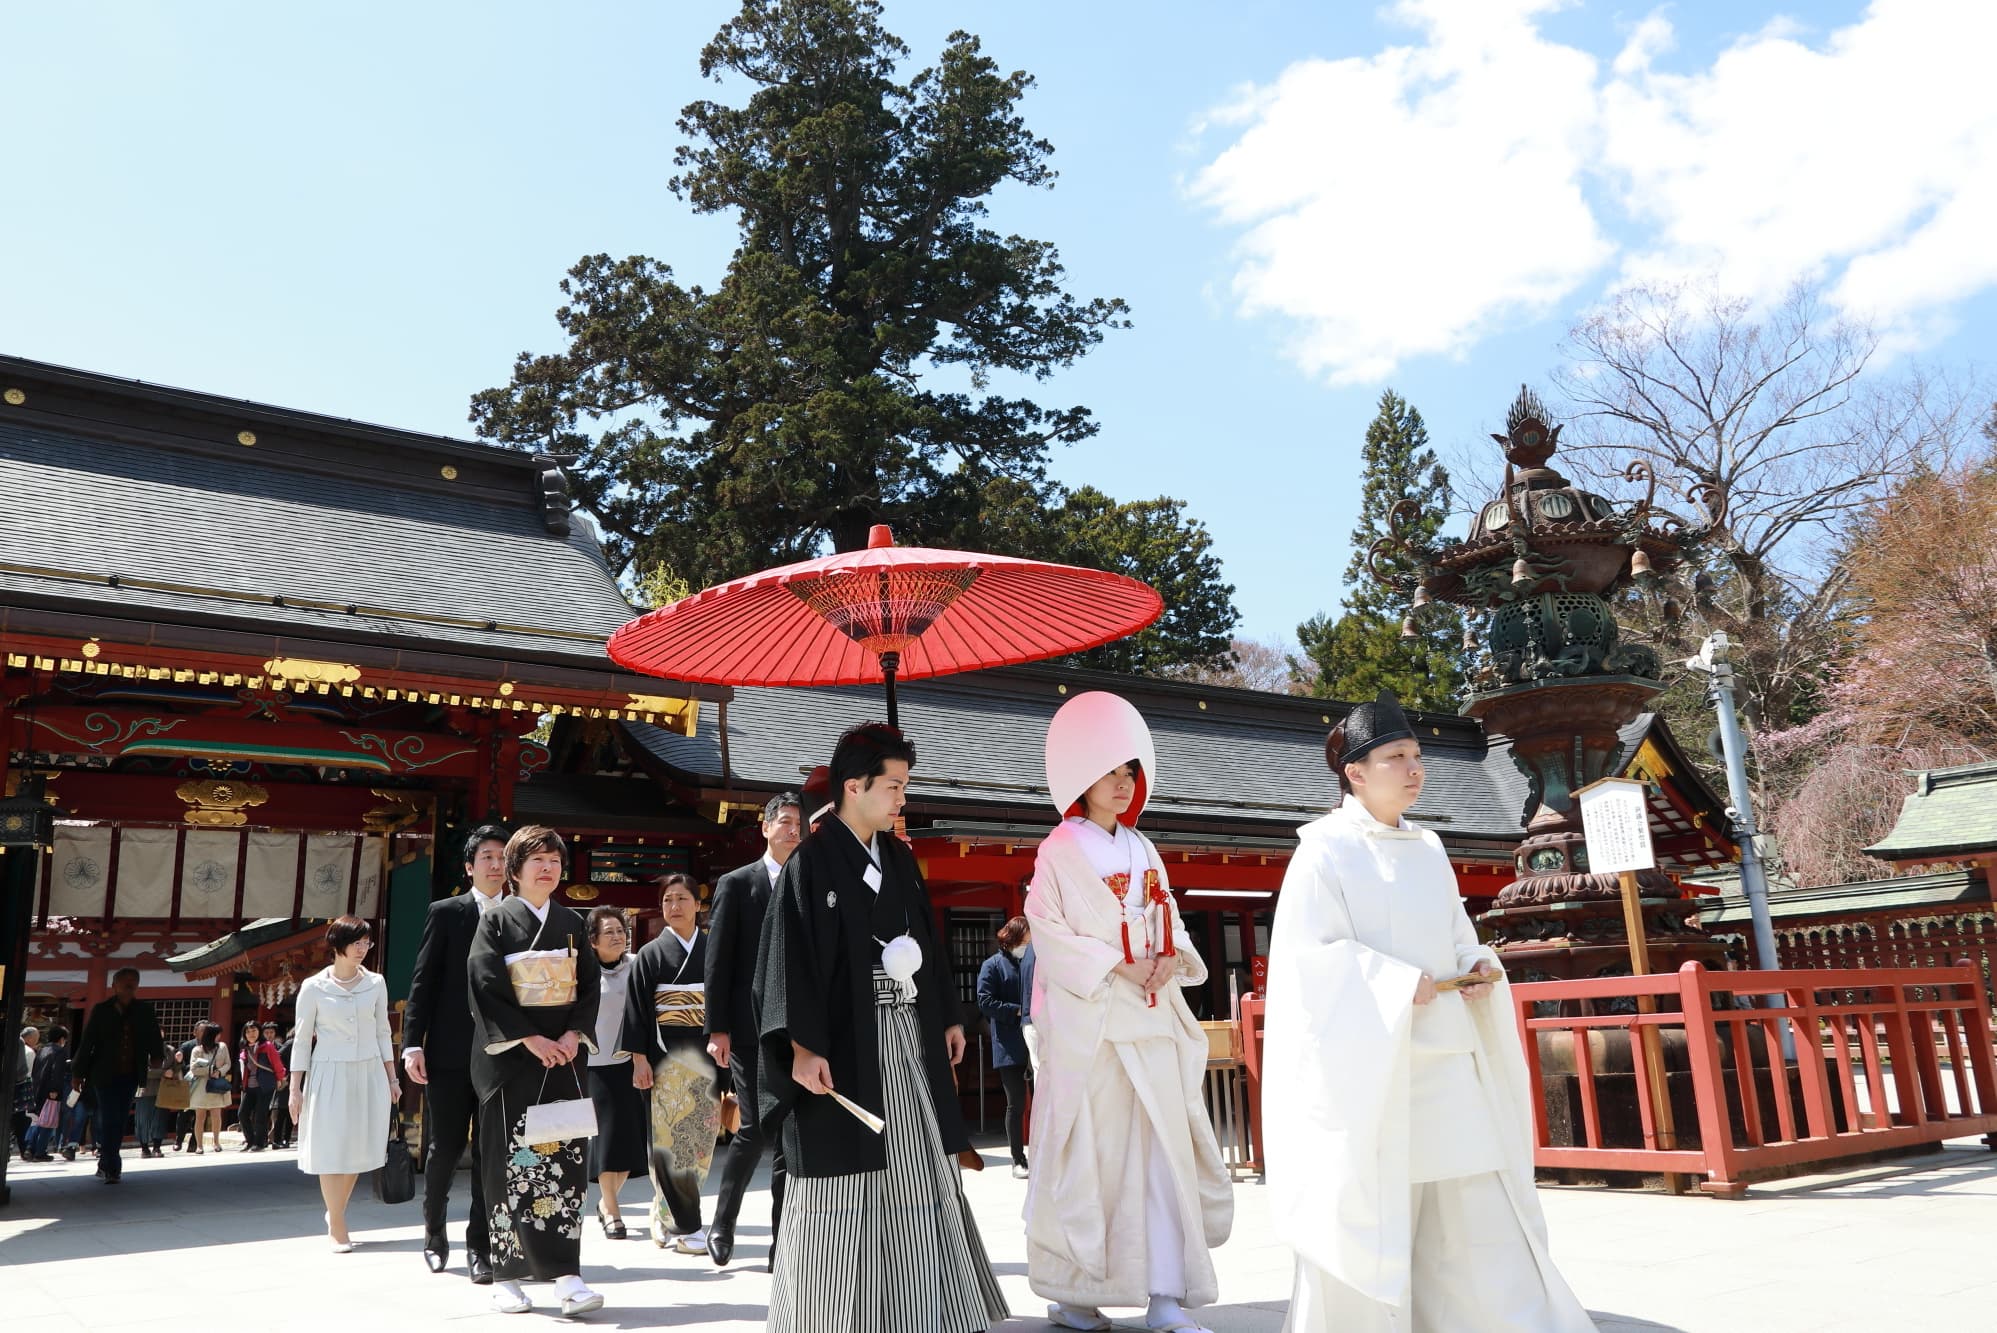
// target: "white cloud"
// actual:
[[1411, 202], [1401, 204]]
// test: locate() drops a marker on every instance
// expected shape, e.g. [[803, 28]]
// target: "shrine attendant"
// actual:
[[856, 1004], [534, 995], [1128, 1189], [665, 1029], [1397, 1116]]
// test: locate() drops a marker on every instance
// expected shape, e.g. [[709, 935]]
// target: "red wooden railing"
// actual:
[[1878, 1054]]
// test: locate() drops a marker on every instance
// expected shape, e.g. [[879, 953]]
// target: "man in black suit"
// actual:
[[120, 1039], [733, 928], [437, 1048]]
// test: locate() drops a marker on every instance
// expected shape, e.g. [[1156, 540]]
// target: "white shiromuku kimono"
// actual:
[[1398, 1137], [1128, 1191]]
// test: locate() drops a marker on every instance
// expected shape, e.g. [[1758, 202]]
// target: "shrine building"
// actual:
[[272, 666]]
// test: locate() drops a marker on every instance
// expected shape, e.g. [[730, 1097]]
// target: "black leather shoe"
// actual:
[[481, 1271], [436, 1252], [720, 1245]]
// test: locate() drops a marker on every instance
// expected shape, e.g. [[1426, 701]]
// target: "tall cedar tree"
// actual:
[[1362, 652], [715, 433], [1150, 540]]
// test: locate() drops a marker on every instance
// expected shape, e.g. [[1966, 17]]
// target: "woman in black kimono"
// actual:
[[534, 992], [665, 1029], [855, 1004]]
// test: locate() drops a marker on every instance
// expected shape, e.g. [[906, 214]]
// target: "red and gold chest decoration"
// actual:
[[1154, 896]]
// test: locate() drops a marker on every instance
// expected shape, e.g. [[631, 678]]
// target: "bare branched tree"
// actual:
[[1252, 665], [1848, 799], [1765, 429]]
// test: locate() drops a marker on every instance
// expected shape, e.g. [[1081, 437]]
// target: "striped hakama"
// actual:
[[892, 1251]]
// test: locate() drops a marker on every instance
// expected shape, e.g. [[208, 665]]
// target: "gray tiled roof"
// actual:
[[1253, 758], [1943, 889], [409, 561], [1949, 810]]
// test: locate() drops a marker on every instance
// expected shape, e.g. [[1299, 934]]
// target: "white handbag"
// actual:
[[556, 1122]]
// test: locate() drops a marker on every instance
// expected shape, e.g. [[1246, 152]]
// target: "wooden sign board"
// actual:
[[1615, 819]]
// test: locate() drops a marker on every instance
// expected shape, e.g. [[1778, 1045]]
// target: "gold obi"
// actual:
[[544, 981], [680, 1006]]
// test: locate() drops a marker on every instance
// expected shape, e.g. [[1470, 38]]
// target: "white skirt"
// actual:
[[343, 1128]]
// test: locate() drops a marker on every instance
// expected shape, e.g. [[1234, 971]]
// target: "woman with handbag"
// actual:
[[344, 1081], [618, 1150], [262, 1074], [48, 1088], [206, 1062], [533, 977], [280, 1105]]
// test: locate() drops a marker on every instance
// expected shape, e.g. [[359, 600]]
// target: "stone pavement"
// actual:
[[236, 1241]]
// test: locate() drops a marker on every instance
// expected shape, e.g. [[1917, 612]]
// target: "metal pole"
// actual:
[[1753, 880]]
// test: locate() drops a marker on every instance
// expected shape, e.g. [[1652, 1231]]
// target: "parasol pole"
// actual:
[[891, 663]]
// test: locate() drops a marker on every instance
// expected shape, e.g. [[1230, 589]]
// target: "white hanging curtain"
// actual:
[[270, 885], [145, 871], [329, 874], [208, 873], [80, 870]]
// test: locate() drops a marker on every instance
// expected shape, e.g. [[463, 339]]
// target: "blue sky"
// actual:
[[364, 210]]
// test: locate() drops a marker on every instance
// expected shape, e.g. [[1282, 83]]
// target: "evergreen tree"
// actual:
[[1361, 651], [1153, 541], [790, 408], [714, 433]]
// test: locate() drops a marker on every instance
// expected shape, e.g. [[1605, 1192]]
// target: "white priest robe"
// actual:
[[1128, 1190], [1398, 1137]]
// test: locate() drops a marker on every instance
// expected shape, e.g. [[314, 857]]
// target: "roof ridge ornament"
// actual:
[[556, 497]]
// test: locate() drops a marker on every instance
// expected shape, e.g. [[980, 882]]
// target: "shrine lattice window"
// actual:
[[177, 1018]]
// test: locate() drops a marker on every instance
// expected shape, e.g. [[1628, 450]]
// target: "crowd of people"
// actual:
[[182, 1101], [815, 1016]]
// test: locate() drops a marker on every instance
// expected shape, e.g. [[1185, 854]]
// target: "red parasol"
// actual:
[[883, 614]]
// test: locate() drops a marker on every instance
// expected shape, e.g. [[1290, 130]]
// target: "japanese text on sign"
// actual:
[[1616, 822]]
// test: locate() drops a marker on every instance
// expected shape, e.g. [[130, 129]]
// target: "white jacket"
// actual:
[[338, 1023]]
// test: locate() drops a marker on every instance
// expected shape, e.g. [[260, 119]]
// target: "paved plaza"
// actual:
[[1900, 1245]]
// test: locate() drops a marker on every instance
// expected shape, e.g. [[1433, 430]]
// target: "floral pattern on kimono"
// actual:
[[538, 1194]]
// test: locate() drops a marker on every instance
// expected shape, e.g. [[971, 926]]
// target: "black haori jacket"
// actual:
[[501, 1023], [815, 984]]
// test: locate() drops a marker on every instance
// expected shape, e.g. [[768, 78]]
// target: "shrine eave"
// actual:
[[1950, 815], [92, 644], [1937, 890], [239, 950]]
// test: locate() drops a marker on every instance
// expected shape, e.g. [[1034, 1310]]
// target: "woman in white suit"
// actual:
[[343, 1076]]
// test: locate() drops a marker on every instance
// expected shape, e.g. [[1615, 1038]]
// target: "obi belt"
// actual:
[[543, 978], [680, 1005]]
